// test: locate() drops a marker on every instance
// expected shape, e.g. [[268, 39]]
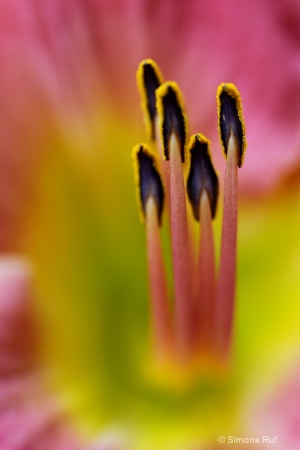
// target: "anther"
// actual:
[[151, 198], [230, 119], [172, 117], [202, 176], [149, 184], [232, 136], [149, 78]]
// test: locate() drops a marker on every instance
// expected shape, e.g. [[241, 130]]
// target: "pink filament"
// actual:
[[180, 253], [205, 275], [225, 294], [158, 284]]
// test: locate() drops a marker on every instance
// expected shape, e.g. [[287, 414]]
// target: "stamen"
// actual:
[[172, 117], [149, 78], [202, 175], [173, 135], [232, 135], [206, 273], [201, 303], [151, 199], [202, 188], [231, 119], [148, 180]]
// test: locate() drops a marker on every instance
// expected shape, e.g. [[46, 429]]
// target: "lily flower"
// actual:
[[70, 114]]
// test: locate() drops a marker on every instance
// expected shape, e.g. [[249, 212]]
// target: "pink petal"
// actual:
[[17, 338], [279, 413], [30, 418], [63, 60], [69, 50]]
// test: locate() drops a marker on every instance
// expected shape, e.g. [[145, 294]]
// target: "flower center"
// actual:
[[194, 324]]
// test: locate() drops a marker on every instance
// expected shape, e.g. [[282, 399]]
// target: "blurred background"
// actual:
[[70, 115]]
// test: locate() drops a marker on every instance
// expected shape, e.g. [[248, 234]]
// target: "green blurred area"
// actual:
[[88, 248]]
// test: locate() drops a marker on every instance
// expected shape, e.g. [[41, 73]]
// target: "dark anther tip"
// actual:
[[202, 175], [149, 179], [149, 78], [230, 119], [172, 117]]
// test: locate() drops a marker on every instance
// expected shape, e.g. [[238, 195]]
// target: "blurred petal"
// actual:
[[69, 112], [277, 411], [17, 338], [64, 60], [29, 417]]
